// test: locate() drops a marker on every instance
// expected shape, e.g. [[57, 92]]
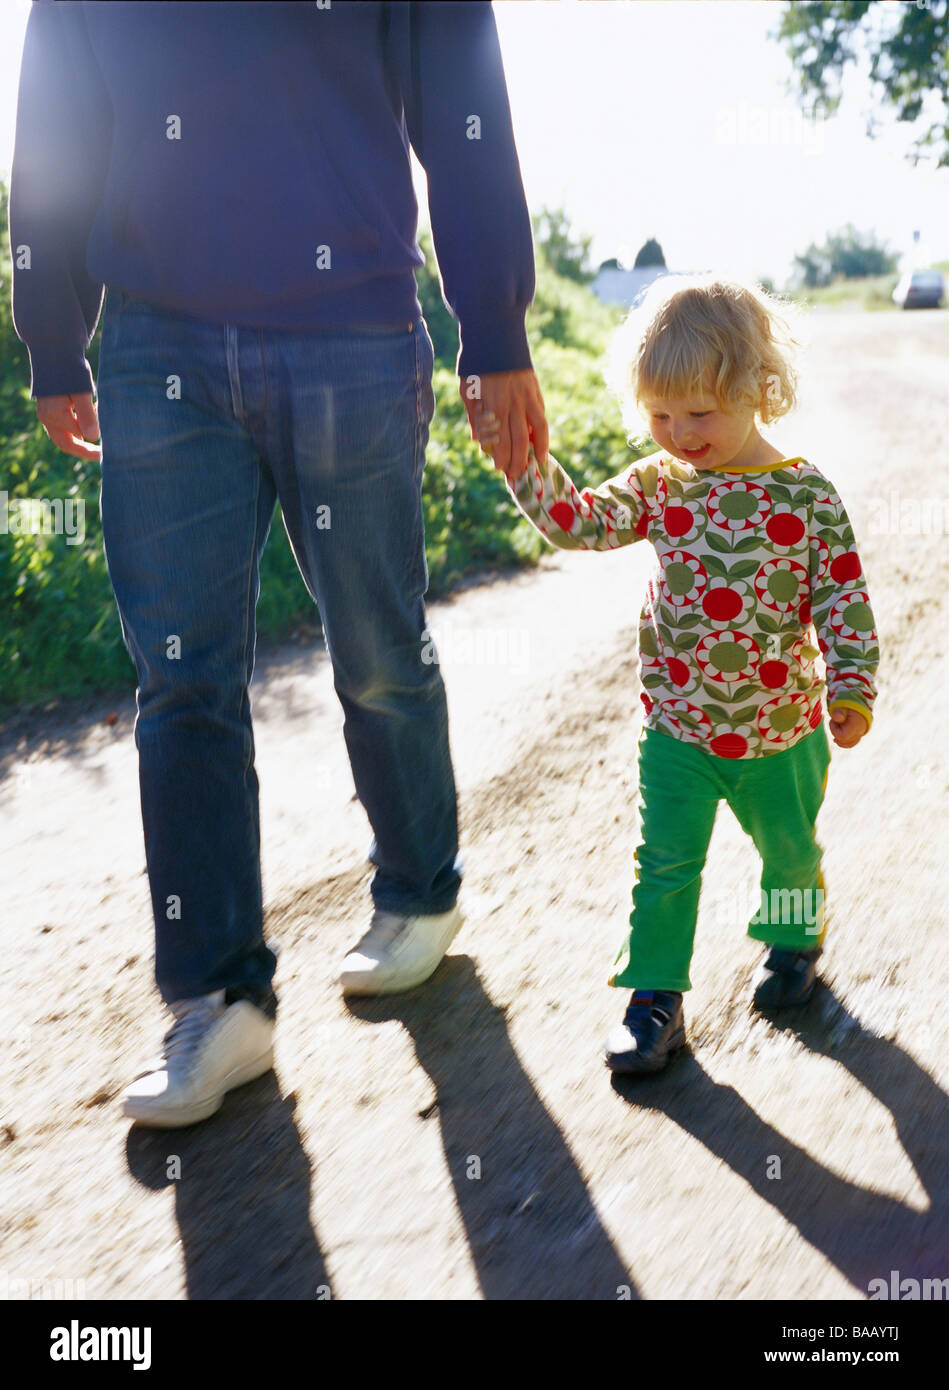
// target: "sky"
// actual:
[[675, 119]]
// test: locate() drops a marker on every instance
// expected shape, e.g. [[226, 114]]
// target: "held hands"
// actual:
[[847, 727], [509, 417], [69, 420], [487, 431]]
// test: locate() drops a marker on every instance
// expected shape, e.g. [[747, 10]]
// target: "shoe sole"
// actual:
[[635, 1068], [144, 1113], [365, 986]]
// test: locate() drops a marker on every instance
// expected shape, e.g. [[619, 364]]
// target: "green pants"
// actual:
[[775, 799]]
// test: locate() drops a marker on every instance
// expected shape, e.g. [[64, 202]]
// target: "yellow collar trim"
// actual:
[[765, 468]]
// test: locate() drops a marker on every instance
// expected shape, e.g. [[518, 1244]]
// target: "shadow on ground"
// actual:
[[243, 1198], [531, 1225], [864, 1233]]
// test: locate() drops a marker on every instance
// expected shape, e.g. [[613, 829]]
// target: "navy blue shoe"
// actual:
[[652, 1029], [786, 978]]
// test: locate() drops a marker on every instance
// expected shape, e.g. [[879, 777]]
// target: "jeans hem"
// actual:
[[414, 908], [267, 1003]]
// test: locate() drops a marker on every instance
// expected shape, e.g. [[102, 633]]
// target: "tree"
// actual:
[[813, 267], [565, 254], [441, 325], [849, 254], [853, 254], [650, 253], [908, 52], [554, 313]]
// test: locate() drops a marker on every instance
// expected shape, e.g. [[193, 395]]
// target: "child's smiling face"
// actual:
[[697, 430]]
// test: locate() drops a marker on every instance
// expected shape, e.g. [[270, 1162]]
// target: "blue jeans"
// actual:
[[335, 425]]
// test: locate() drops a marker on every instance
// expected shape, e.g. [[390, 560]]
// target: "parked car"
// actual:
[[920, 289]]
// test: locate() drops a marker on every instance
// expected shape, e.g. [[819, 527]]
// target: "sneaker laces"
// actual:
[[193, 1017], [384, 928]]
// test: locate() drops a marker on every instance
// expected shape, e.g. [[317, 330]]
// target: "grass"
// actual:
[[872, 292]]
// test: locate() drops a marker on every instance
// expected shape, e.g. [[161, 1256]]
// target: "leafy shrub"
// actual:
[[60, 634]]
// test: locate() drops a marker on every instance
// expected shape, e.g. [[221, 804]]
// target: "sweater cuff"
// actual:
[[59, 371], [494, 342]]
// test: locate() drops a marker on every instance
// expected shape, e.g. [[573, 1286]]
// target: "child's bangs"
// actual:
[[675, 369]]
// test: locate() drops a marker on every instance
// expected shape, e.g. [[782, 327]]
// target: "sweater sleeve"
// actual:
[[840, 605], [459, 122], [60, 158], [604, 518]]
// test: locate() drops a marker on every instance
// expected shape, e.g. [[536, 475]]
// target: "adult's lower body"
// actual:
[[204, 427]]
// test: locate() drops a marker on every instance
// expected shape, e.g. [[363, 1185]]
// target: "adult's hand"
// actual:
[[514, 397], [69, 421]]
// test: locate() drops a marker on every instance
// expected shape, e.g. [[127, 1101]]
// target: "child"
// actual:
[[752, 549]]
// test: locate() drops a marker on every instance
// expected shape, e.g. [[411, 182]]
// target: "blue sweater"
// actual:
[[249, 164]]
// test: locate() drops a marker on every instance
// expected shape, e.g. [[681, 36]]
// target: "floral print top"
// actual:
[[750, 563]]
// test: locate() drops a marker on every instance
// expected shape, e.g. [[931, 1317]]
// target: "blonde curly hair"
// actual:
[[703, 333]]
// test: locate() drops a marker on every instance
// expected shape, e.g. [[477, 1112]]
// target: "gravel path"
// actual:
[[352, 1171]]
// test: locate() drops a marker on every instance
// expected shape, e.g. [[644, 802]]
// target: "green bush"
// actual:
[[873, 293], [60, 635]]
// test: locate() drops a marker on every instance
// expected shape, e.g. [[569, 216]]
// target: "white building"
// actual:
[[613, 285]]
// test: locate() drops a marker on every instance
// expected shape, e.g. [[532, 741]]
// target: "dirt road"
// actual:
[[464, 1140]]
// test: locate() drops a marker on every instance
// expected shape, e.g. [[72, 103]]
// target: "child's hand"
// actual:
[[847, 727], [487, 429], [515, 398]]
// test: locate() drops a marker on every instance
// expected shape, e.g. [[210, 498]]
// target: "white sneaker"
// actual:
[[398, 951], [209, 1049]]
